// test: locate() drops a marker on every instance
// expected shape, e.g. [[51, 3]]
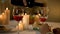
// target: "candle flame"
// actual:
[[19, 24], [6, 8]]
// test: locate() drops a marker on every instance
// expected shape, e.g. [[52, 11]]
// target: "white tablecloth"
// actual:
[[13, 24], [23, 32], [30, 32]]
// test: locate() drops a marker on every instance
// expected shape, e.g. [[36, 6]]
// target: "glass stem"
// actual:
[[18, 27]]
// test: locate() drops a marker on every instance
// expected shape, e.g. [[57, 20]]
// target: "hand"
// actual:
[[44, 29], [25, 2]]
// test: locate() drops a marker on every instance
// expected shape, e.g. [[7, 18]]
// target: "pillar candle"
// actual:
[[2, 19], [19, 27], [37, 21], [7, 13], [26, 21]]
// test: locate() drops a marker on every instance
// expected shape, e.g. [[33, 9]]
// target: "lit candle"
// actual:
[[37, 21], [19, 27], [7, 13], [26, 21], [2, 19]]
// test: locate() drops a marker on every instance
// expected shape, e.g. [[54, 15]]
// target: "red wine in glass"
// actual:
[[42, 19], [17, 15], [17, 18]]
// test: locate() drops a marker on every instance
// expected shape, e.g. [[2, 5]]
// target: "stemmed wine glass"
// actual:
[[44, 15], [43, 19], [17, 15]]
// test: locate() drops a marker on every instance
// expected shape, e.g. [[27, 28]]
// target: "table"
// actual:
[[23, 32], [13, 24]]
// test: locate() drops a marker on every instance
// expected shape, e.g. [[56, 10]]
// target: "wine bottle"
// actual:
[[30, 3]]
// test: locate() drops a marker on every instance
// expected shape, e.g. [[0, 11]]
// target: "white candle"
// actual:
[[26, 21], [37, 21], [2, 19], [7, 13], [19, 27]]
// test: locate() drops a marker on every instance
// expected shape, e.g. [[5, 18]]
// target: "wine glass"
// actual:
[[43, 19], [44, 14], [17, 15]]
